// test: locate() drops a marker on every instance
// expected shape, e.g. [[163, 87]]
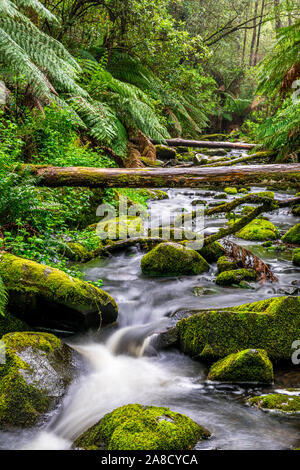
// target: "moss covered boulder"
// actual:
[[137, 427], [226, 264], [292, 236], [34, 378], [250, 365], [296, 257], [272, 325], [47, 297], [286, 403], [235, 277], [231, 191], [172, 259], [212, 252], [258, 230], [120, 228]]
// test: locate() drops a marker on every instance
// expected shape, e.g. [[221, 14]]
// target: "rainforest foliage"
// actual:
[[80, 78]]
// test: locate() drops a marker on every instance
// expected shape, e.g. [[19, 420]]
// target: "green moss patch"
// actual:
[[229, 278], [226, 264], [292, 236], [37, 370], [172, 259], [258, 230], [296, 257], [272, 325], [212, 252], [137, 427], [278, 402], [251, 365]]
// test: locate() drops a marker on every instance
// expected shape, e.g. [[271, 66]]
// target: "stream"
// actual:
[[123, 367]]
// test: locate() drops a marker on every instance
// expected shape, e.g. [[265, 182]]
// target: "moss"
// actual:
[[272, 325], [226, 264], [212, 252], [151, 163], [277, 401], [137, 427], [296, 210], [25, 391], [78, 252], [250, 365], [120, 227], [9, 324], [292, 236], [231, 191], [269, 194], [247, 210], [164, 152], [168, 259], [157, 194], [258, 230], [228, 278], [28, 277], [296, 257]]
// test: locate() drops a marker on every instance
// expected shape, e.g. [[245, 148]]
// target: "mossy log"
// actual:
[[46, 297], [245, 158], [205, 143], [164, 177]]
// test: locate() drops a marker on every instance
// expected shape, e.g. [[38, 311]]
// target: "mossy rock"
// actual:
[[296, 257], [9, 324], [34, 378], [151, 163], [137, 427], [77, 252], [272, 325], [250, 365], [212, 252], [292, 236], [258, 230], [269, 194], [120, 228], [231, 191], [157, 194], [163, 152], [296, 210], [277, 402], [228, 278], [246, 210], [172, 259], [43, 296], [226, 264]]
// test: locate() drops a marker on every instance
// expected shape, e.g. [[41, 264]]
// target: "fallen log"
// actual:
[[164, 177], [204, 143]]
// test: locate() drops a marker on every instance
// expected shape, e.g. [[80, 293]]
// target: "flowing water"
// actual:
[[123, 367]]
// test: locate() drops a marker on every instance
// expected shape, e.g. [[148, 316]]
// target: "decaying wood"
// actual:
[[164, 177], [249, 260], [245, 158], [205, 143]]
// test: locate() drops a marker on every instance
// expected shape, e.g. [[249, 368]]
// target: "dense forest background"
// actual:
[[80, 78]]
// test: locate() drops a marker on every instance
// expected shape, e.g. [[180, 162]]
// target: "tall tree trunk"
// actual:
[[254, 33], [245, 37], [278, 23], [259, 32]]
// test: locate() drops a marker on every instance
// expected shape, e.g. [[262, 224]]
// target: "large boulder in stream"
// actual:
[[37, 370], [46, 297], [137, 427], [272, 325], [172, 259], [236, 276], [249, 366], [259, 230], [292, 236]]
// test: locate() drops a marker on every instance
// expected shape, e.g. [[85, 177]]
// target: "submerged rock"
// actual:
[[172, 259], [137, 427], [296, 257], [258, 230], [292, 236], [229, 278], [250, 365], [47, 297], [285, 403], [272, 325], [35, 376]]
